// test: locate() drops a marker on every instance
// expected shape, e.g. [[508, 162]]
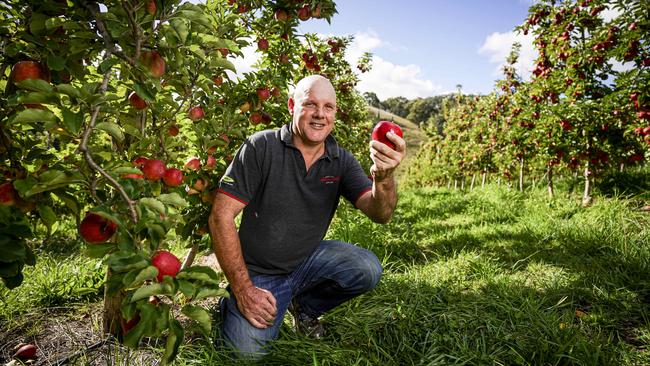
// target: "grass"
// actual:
[[491, 276]]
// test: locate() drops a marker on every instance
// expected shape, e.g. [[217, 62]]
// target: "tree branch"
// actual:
[[103, 31], [83, 147]]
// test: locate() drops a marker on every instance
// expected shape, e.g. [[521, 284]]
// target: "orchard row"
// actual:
[[586, 107]]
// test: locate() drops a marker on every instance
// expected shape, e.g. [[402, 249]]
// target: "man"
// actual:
[[288, 183]]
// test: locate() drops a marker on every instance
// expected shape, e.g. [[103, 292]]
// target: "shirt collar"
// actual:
[[331, 146]]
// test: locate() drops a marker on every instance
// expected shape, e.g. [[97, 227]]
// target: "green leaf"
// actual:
[[56, 63], [173, 199], [181, 27], [186, 288], [199, 315], [222, 63], [174, 340], [112, 129], [72, 121], [154, 205], [37, 24], [126, 170], [119, 262], [38, 97], [145, 291], [144, 93], [35, 85], [69, 90], [210, 292], [107, 64], [199, 273], [147, 273], [99, 250], [47, 215], [33, 115]]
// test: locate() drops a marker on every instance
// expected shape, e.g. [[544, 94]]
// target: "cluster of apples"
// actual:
[[154, 170]]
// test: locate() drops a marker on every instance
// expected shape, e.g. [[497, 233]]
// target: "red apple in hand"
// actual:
[[167, 264], [382, 128], [96, 229], [153, 169]]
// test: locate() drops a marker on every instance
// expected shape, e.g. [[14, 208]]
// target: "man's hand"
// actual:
[[386, 159], [257, 305]]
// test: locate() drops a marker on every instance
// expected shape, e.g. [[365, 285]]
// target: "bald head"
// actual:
[[310, 82]]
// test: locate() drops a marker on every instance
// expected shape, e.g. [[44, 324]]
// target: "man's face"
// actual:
[[313, 109]]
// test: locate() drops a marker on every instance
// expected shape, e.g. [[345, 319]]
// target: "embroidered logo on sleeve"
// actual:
[[329, 179], [227, 180]]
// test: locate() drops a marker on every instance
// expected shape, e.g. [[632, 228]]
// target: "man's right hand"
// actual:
[[257, 305]]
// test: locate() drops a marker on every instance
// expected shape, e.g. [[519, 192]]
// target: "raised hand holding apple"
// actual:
[[387, 149]]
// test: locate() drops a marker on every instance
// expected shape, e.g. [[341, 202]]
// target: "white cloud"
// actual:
[[497, 47], [387, 79]]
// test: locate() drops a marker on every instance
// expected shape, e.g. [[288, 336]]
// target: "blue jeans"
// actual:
[[334, 273]]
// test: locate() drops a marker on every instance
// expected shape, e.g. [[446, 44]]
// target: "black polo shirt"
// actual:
[[288, 209]]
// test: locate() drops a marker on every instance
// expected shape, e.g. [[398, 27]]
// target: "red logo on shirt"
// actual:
[[329, 179]]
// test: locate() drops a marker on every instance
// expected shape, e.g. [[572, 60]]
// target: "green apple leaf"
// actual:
[[112, 129], [34, 115]]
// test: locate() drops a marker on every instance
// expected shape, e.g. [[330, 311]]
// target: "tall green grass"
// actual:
[[491, 276]]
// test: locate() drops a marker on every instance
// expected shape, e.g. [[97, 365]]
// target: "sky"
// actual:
[[427, 47]]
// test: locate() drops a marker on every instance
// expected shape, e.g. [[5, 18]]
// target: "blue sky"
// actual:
[[424, 48]]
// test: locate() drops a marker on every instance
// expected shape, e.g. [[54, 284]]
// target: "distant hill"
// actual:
[[412, 133]]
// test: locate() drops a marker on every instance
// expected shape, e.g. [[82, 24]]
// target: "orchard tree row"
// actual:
[[585, 110], [121, 116]]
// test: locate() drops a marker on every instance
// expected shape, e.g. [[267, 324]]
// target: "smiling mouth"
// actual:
[[317, 125]]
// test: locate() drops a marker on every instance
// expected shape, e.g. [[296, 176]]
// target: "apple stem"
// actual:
[[83, 147]]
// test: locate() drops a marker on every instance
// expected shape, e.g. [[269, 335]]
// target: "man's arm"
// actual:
[[380, 202], [255, 304]]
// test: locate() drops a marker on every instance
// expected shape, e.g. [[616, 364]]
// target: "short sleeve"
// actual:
[[243, 176], [355, 182]]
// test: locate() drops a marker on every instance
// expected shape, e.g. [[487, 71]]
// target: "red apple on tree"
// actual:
[[167, 264], [139, 162], [193, 164], [281, 15], [256, 118], [154, 63], [127, 325], [29, 70], [211, 162], [263, 44], [173, 130], [263, 93], [173, 177], [136, 101], [304, 13], [96, 229], [8, 194], [196, 113], [153, 169], [382, 128], [151, 7], [218, 80]]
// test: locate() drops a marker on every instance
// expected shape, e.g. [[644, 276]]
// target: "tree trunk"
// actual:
[[471, 187], [521, 174], [448, 183], [586, 196], [549, 180], [189, 259], [462, 184], [499, 182], [483, 178], [112, 316], [621, 167], [455, 183]]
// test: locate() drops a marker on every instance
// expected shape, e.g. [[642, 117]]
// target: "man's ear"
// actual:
[[290, 104]]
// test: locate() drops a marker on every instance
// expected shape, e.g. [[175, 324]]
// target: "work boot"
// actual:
[[304, 324]]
